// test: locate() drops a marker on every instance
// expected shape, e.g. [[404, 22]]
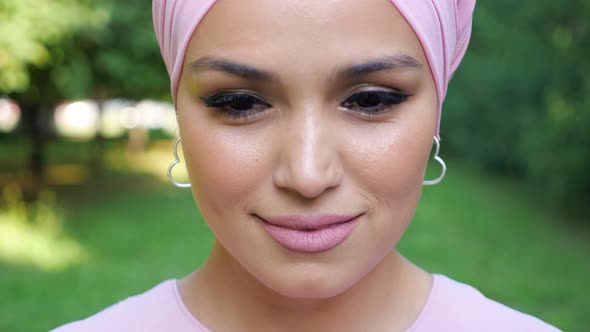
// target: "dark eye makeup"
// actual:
[[241, 105], [236, 104], [373, 102]]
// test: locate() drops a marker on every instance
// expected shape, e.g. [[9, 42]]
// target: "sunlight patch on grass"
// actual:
[[67, 174], [33, 235]]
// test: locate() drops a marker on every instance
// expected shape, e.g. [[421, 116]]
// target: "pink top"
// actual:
[[451, 306]]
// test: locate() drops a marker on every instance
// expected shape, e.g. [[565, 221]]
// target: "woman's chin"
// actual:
[[309, 285]]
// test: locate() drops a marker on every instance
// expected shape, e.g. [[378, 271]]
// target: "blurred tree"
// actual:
[[528, 111], [122, 59], [35, 35], [32, 34], [74, 49]]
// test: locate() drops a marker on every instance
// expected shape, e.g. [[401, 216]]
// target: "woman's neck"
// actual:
[[225, 297]]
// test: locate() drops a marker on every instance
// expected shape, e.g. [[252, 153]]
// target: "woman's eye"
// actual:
[[373, 102], [237, 105]]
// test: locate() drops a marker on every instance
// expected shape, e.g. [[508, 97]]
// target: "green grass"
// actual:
[[492, 234], [137, 231]]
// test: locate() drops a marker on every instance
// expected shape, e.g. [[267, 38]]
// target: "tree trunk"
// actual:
[[97, 158], [32, 117]]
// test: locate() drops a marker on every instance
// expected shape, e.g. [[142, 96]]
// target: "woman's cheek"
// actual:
[[388, 170], [382, 161], [225, 164]]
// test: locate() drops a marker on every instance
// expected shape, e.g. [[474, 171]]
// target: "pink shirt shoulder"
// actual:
[[157, 310], [451, 306], [458, 307]]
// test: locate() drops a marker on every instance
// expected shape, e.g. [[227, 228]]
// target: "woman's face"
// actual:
[[306, 110]]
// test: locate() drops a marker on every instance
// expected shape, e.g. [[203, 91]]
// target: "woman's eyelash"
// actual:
[[373, 102], [240, 105], [236, 105]]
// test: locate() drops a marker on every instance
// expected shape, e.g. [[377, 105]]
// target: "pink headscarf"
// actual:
[[442, 26]]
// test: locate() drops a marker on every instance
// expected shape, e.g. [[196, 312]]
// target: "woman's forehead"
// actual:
[[339, 28]]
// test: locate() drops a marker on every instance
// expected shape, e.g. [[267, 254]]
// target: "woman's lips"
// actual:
[[310, 234]]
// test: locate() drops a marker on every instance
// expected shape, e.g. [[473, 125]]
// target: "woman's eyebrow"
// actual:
[[209, 63], [380, 64]]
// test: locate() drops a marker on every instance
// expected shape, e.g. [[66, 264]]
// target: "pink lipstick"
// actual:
[[310, 234]]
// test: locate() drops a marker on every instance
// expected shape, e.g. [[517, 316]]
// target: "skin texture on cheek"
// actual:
[[223, 159]]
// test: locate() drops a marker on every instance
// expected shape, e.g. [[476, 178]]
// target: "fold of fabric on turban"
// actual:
[[442, 26]]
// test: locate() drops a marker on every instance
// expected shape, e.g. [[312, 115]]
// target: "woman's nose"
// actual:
[[308, 160]]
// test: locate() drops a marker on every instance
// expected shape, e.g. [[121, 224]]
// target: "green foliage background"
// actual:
[[520, 102], [83, 48]]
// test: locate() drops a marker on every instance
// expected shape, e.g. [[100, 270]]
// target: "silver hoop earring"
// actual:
[[174, 163], [441, 162]]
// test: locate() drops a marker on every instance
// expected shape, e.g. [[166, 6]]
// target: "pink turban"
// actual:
[[442, 26]]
